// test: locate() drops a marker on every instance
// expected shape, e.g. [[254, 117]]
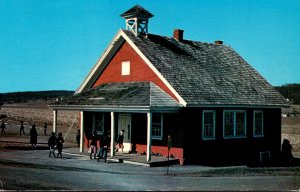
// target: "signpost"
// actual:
[[169, 148]]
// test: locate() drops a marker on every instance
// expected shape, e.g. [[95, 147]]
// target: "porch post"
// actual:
[[81, 132], [149, 136], [54, 121], [112, 134]]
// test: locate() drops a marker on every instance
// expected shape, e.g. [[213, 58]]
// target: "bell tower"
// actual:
[[137, 20]]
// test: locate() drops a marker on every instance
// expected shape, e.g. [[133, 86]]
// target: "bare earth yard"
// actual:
[[39, 113]]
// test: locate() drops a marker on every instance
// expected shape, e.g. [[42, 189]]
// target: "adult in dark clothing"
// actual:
[[93, 146], [120, 141], [45, 128], [3, 127], [104, 143], [33, 135], [286, 152], [59, 144], [78, 137], [51, 144], [22, 128]]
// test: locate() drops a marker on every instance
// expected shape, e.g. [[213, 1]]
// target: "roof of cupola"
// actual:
[[137, 10]]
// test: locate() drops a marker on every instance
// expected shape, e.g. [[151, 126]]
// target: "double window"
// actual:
[[157, 126], [208, 125], [258, 124], [234, 124]]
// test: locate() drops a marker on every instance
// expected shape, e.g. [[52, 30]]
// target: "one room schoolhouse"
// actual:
[[215, 107]]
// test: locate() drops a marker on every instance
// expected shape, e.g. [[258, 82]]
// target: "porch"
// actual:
[[128, 158]]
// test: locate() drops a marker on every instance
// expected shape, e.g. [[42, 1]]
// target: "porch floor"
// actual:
[[129, 158]]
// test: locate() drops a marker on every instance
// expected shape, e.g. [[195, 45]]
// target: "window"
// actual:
[[98, 123], [157, 126], [234, 124], [208, 125], [125, 68], [258, 124]]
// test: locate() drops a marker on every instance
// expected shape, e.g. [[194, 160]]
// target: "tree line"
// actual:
[[291, 92], [17, 97]]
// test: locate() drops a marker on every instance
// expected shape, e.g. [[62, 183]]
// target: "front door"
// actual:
[[125, 123]]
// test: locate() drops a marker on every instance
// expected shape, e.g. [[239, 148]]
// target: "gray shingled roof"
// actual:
[[207, 73], [127, 94], [137, 10]]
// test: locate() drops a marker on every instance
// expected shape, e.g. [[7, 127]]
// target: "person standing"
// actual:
[[51, 144], [3, 127], [22, 128], [120, 141], [45, 128], [286, 152], [33, 135], [78, 137], [93, 146], [104, 143], [59, 144]]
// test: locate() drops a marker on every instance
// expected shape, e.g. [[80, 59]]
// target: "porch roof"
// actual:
[[124, 96]]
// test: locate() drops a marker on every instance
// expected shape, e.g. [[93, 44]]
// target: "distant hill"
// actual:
[[291, 92], [18, 97]]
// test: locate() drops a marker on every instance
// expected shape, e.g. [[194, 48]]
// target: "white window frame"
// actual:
[[157, 137], [214, 125], [234, 124], [125, 68], [262, 123], [95, 121]]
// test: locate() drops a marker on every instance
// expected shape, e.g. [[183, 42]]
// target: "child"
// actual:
[[51, 144], [59, 144], [93, 147]]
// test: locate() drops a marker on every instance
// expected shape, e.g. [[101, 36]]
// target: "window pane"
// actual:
[[125, 68], [99, 123], [258, 123], [156, 125], [240, 124], [228, 127], [208, 125]]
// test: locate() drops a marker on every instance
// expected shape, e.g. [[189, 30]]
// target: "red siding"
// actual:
[[176, 152], [139, 70]]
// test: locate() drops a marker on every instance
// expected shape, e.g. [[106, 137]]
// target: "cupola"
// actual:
[[137, 20]]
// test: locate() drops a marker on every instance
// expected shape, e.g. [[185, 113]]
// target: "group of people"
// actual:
[[33, 131], [104, 145], [22, 131], [55, 143]]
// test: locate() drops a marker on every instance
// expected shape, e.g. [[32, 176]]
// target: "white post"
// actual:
[[149, 136], [81, 132], [112, 134], [54, 121]]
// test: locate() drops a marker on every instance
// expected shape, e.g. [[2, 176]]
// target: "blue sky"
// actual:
[[53, 44]]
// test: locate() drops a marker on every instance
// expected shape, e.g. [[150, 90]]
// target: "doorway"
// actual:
[[124, 122]]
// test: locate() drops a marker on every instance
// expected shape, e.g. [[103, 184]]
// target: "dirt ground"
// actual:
[[38, 112]]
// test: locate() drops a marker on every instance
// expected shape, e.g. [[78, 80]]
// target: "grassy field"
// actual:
[[39, 113]]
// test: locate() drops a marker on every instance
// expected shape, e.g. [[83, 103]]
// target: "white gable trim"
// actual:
[[181, 100], [109, 53]]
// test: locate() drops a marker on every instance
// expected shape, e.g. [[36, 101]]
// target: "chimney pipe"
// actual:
[[178, 34], [218, 42]]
